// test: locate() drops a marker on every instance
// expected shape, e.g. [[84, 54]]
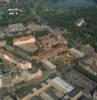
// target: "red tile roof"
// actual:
[[10, 55], [23, 38]]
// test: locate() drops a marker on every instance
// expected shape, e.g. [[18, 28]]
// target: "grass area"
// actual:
[[41, 66], [66, 19], [41, 33], [59, 63], [23, 89]]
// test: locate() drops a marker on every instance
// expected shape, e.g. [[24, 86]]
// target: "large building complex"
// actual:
[[53, 52], [55, 89]]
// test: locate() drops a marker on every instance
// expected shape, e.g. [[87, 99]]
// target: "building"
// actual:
[[84, 98], [88, 49], [8, 98], [7, 1], [61, 39], [76, 53], [11, 97], [38, 74], [24, 65], [80, 22], [10, 57], [61, 85], [7, 55], [53, 52], [26, 76], [54, 89], [66, 89], [31, 47], [51, 67], [4, 1], [93, 93], [2, 43], [92, 63], [48, 41], [5, 80], [1, 80], [36, 27], [19, 27], [37, 98], [24, 40], [14, 11]]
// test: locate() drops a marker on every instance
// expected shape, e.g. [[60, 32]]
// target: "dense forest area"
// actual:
[[67, 18]]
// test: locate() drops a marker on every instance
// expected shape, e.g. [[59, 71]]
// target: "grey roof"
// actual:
[[62, 84], [83, 98], [53, 76], [49, 64], [18, 26], [36, 98], [52, 94], [74, 92]]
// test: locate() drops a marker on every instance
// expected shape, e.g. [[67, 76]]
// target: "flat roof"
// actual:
[[74, 92], [51, 93], [83, 98], [16, 25], [64, 85], [76, 51], [49, 64], [46, 96], [52, 76], [36, 98]]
